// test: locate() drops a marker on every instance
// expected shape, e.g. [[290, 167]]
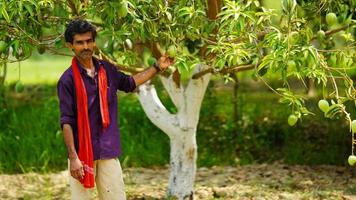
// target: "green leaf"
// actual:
[[58, 43], [29, 9], [262, 71], [333, 111], [5, 14]]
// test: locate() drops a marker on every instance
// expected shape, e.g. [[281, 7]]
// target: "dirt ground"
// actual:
[[257, 182]]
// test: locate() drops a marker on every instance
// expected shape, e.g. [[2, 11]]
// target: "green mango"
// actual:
[[19, 87], [331, 19], [123, 9], [292, 120]]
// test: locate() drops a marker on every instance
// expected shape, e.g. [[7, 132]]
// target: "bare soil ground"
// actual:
[[267, 181]]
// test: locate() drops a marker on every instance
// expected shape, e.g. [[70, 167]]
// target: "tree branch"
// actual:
[[236, 68], [202, 73], [214, 7], [330, 32], [194, 94], [156, 111], [133, 70], [73, 7], [53, 51], [175, 91], [153, 46]]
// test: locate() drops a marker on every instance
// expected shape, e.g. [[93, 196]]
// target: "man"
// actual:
[[88, 114]]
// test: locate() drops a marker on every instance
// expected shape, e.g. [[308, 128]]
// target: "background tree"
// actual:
[[306, 40]]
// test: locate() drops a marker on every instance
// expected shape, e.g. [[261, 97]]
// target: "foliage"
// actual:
[[243, 32], [31, 139], [262, 134]]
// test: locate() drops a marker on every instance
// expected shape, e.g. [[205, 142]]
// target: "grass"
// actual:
[[39, 69], [31, 135]]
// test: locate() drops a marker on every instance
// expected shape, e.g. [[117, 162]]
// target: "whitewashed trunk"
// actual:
[[180, 127], [183, 165]]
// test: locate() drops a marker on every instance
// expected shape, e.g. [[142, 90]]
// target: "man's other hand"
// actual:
[[76, 169]]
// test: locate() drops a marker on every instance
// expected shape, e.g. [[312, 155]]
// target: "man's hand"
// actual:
[[164, 62], [76, 169]]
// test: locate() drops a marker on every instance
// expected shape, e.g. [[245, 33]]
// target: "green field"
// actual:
[[39, 69]]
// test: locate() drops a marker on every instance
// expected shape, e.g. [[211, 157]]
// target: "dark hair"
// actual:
[[78, 26]]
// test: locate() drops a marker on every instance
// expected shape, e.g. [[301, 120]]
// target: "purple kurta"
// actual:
[[105, 143]]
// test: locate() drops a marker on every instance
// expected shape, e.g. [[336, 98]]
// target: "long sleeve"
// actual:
[[121, 80], [66, 102]]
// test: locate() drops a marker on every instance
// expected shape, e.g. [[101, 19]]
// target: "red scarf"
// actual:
[[85, 153]]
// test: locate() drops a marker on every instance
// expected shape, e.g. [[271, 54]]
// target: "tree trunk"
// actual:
[[3, 73], [183, 165], [180, 127], [235, 97], [311, 88], [2, 87]]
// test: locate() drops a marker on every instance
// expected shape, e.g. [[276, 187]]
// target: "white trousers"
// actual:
[[108, 179]]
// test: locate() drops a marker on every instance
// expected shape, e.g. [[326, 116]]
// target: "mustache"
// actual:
[[87, 51]]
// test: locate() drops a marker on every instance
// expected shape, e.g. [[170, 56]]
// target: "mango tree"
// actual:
[[305, 40]]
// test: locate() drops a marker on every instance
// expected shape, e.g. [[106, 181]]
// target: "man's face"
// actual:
[[83, 45]]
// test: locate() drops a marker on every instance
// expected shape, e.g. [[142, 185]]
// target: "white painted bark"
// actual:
[[180, 127]]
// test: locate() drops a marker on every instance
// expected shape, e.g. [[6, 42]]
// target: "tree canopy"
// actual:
[[304, 40]]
